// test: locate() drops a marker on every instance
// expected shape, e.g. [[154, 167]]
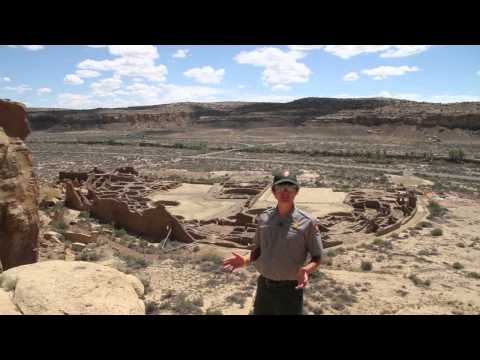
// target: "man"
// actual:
[[284, 237]]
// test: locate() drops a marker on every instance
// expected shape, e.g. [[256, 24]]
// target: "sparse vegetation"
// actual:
[[119, 232], [473, 275], [237, 298], [456, 155], [151, 307], [457, 266], [419, 282], [366, 265], [436, 210], [88, 255], [182, 305], [436, 232]]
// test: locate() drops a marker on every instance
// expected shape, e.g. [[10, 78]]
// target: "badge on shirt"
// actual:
[[295, 225]]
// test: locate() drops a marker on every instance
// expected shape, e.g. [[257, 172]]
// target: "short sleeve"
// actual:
[[256, 238], [314, 239]]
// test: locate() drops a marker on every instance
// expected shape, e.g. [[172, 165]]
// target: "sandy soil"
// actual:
[[194, 202], [316, 201]]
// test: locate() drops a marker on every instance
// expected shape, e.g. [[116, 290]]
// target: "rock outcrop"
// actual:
[[19, 192], [13, 119], [70, 288]]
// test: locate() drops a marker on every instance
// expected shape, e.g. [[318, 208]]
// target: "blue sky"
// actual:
[[90, 76]]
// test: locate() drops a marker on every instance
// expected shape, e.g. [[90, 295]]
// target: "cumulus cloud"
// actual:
[[105, 87], [181, 53], [6, 79], [281, 87], [280, 67], [87, 73], [348, 51], [20, 89], [72, 79], [351, 76], [305, 47], [404, 50], [206, 75], [108, 93], [29, 47], [44, 90], [382, 72], [131, 60]]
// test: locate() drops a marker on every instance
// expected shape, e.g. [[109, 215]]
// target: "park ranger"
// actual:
[[284, 238]]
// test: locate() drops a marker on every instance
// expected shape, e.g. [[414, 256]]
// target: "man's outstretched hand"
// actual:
[[234, 262], [302, 278]]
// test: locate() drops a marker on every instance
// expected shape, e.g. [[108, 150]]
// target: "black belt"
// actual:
[[278, 282]]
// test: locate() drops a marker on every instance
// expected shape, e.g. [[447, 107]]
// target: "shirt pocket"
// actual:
[[295, 244], [265, 234]]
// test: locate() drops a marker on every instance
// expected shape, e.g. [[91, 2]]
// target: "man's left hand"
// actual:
[[302, 278]]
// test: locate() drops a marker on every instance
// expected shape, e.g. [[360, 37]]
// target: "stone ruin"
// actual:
[[19, 220], [373, 213], [120, 197]]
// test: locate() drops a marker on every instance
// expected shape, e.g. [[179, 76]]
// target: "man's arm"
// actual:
[[315, 248]]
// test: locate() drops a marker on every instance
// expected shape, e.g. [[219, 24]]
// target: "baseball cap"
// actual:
[[284, 176]]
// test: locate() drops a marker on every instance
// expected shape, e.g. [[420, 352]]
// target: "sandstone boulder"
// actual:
[[72, 287], [77, 237], [7, 307], [19, 220], [13, 119]]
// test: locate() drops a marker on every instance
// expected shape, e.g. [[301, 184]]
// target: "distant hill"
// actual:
[[310, 111]]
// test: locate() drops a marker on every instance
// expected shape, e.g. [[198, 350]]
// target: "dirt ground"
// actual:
[[429, 266]]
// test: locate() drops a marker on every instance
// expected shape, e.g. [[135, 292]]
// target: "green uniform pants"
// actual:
[[277, 298]]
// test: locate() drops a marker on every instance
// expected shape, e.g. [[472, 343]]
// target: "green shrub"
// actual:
[[436, 232], [436, 210], [456, 155]]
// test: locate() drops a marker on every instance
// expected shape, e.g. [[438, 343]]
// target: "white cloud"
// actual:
[[281, 87], [404, 50], [20, 89], [109, 94], [206, 75], [72, 79], [105, 87], [44, 90], [348, 51], [417, 97], [305, 47], [281, 68], [478, 72], [97, 46], [351, 76], [181, 53], [131, 61], [382, 72], [148, 51], [87, 73], [6, 79], [29, 47]]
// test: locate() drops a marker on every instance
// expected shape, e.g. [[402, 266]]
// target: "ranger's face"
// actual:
[[285, 193]]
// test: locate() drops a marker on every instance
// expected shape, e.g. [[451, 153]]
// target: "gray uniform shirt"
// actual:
[[284, 243]]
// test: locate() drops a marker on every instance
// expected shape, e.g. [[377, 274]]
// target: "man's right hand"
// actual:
[[234, 262]]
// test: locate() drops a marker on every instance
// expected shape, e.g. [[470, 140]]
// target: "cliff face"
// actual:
[[19, 224], [307, 111]]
